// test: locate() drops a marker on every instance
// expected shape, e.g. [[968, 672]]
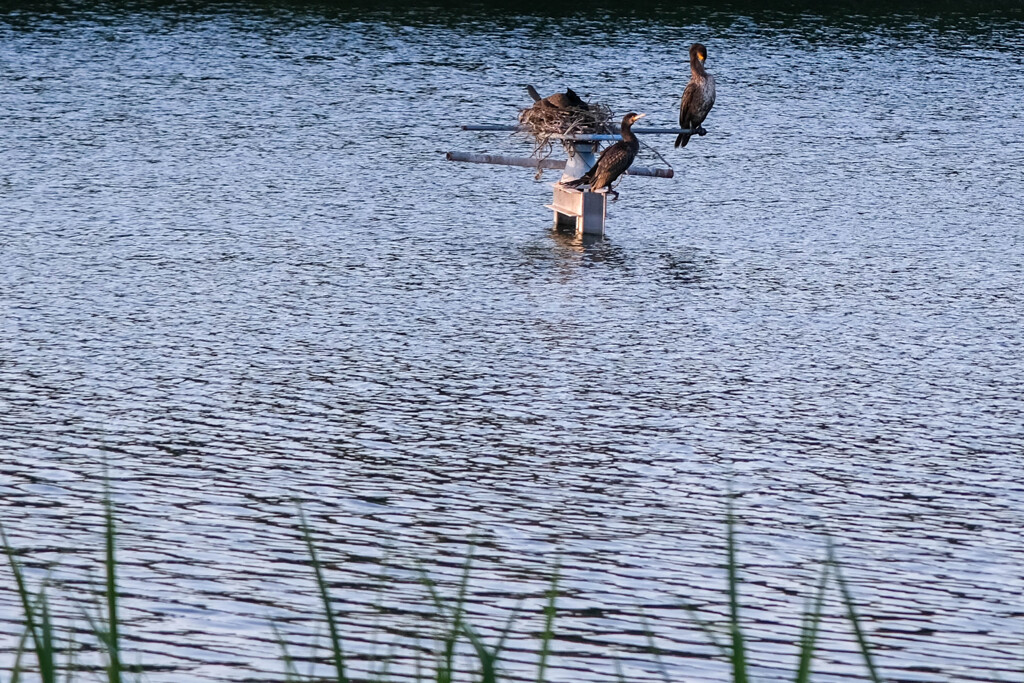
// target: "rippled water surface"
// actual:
[[236, 266]]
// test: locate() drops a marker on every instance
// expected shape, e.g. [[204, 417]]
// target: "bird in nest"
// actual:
[[560, 100]]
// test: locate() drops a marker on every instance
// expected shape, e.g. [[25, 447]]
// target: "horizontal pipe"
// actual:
[[501, 160], [665, 131], [494, 127], [651, 171], [557, 164], [581, 137]]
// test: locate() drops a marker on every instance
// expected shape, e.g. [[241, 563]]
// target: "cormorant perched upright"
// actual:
[[699, 96], [566, 100], [614, 160]]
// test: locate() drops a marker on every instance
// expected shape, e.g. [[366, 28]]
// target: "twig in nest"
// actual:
[[542, 122]]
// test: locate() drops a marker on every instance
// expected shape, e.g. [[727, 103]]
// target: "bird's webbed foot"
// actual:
[[616, 197]]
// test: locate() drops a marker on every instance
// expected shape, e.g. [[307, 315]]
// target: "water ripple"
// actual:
[[237, 269]]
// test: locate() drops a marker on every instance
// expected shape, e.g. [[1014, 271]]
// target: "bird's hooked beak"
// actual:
[[638, 117]]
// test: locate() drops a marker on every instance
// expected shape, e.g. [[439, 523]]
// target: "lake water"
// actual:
[[237, 268]]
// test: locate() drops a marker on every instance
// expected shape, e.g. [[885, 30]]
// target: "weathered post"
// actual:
[[582, 209], [579, 208]]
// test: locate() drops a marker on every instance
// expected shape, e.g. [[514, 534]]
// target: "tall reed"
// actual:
[[337, 652], [107, 627], [39, 628], [736, 652], [39, 633]]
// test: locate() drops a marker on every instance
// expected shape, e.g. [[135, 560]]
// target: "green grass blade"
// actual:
[[500, 647], [446, 661], [809, 629], [44, 656], [441, 612], [96, 626], [378, 608], [16, 668], [69, 664], [385, 670], [46, 635], [851, 613], [325, 598], [619, 674], [656, 651], [549, 621], [290, 672], [738, 654], [489, 657], [314, 647], [443, 673], [419, 661], [113, 640], [488, 660], [459, 617], [706, 628], [23, 593]]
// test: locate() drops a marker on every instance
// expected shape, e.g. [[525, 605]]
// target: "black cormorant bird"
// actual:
[[614, 160], [559, 100], [699, 96]]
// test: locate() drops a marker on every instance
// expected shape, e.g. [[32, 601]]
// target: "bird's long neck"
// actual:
[[697, 67], [627, 132]]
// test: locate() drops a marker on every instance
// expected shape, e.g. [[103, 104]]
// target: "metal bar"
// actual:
[[493, 127], [528, 162], [585, 137], [664, 131], [582, 137], [593, 137], [501, 160], [651, 171]]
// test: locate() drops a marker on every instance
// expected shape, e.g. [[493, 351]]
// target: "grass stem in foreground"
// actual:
[[851, 613], [549, 622], [39, 631], [809, 629], [113, 640], [325, 598], [738, 654]]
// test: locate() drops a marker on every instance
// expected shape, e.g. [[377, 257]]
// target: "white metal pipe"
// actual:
[[581, 137], [528, 162], [502, 160]]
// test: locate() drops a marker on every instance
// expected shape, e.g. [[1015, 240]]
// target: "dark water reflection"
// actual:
[[236, 266]]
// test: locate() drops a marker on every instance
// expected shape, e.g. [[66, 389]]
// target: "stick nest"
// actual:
[[541, 122]]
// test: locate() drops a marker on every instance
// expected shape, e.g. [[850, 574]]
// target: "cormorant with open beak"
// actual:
[[614, 160], [699, 96]]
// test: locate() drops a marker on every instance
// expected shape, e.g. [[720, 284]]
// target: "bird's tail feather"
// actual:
[[682, 139], [533, 93], [584, 179]]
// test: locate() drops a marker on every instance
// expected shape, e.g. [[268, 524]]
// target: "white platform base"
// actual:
[[581, 209]]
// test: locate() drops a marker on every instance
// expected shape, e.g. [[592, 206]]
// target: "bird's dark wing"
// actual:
[[688, 105], [558, 100], [575, 100], [687, 110], [584, 179], [613, 162], [710, 104]]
